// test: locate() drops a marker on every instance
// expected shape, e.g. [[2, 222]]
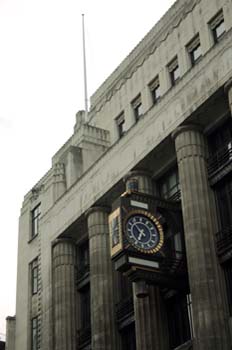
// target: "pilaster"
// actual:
[[59, 181], [64, 294], [199, 226], [103, 326]]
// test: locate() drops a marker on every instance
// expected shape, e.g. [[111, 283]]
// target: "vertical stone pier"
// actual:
[[150, 321], [101, 283], [199, 226], [64, 294]]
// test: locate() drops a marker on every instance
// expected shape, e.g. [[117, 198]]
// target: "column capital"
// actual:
[[63, 240], [134, 173], [228, 85], [188, 127], [92, 210]]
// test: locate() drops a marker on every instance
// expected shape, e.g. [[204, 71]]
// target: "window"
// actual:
[[34, 333], [120, 121], [128, 337], [84, 255], [174, 71], [34, 276], [35, 215], [137, 107], [178, 320], [194, 50], [155, 90], [227, 268], [169, 187], [217, 26], [85, 306]]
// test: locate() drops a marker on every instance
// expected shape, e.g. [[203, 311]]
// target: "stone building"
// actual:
[[158, 147]]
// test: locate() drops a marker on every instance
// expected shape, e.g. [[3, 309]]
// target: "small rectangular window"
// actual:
[[120, 121], [137, 107], [154, 87], [35, 215], [194, 50], [34, 333], [217, 26], [174, 71], [34, 276]]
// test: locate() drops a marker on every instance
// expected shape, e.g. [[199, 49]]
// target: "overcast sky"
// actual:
[[41, 89]]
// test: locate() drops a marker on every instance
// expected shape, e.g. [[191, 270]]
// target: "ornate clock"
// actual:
[[144, 231]]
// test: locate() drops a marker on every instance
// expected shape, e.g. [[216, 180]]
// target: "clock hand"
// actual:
[[141, 232]]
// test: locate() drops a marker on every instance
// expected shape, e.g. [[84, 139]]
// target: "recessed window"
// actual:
[[194, 50], [35, 215], [168, 185], [120, 122], [85, 306], [217, 26], [34, 333], [154, 87], [174, 71], [34, 276], [137, 107]]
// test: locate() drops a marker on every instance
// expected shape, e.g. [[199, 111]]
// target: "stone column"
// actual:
[[64, 294], [10, 333], [228, 90], [199, 226], [150, 316], [101, 282], [140, 179]]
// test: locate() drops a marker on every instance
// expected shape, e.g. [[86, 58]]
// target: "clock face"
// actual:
[[144, 232]]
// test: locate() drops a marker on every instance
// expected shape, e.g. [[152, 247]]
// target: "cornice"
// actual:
[[146, 47]]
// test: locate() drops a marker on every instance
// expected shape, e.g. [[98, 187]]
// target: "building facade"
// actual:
[[158, 140]]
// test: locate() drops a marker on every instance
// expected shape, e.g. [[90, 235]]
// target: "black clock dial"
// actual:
[[144, 232]]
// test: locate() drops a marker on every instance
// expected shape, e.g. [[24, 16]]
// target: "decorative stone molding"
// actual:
[[36, 191]]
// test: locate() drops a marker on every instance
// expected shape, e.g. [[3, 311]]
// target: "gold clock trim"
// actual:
[[157, 224]]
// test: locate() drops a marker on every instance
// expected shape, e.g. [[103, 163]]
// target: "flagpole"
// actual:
[[85, 74]]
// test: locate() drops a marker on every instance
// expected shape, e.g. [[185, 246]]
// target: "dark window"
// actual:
[[174, 71], [220, 147], [120, 121], [194, 50], [178, 320], [227, 268], [169, 187], [217, 26], [34, 276], [34, 333], [224, 203], [125, 287], [137, 107], [221, 137], [128, 337], [35, 215], [83, 260], [155, 90], [85, 306]]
